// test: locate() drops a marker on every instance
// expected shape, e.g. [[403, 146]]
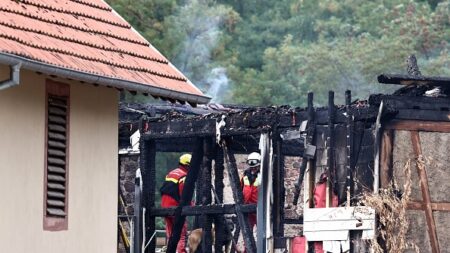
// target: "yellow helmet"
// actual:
[[185, 159]]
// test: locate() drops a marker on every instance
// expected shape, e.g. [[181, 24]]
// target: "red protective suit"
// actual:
[[171, 193], [249, 183]]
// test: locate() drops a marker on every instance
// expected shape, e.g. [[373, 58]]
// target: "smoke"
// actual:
[[218, 84], [201, 23]]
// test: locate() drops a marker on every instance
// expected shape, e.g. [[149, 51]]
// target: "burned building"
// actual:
[[357, 150]]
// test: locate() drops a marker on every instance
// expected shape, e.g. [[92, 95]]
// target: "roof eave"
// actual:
[[11, 59]]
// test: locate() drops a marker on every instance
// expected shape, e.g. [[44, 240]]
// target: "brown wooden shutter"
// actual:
[[56, 156], [56, 162]]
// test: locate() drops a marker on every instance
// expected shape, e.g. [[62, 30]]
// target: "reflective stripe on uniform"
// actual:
[[172, 180], [247, 182]]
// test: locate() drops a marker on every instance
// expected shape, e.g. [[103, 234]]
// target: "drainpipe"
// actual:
[[14, 77]]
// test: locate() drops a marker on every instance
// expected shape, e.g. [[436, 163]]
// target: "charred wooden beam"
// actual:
[[220, 223], [417, 103], [310, 133], [238, 198], [278, 188], [348, 149], [206, 219], [241, 145], [199, 210], [409, 79], [186, 196], [331, 168], [248, 123], [425, 115]]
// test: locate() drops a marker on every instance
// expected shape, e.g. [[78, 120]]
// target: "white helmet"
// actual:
[[254, 159]]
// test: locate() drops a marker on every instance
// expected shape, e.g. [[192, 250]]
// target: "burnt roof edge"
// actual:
[[11, 59], [409, 79]]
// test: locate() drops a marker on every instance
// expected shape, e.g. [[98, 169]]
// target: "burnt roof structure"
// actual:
[[352, 144]]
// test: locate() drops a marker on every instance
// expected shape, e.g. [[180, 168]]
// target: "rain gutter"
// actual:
[[14, 77], [10, 59]]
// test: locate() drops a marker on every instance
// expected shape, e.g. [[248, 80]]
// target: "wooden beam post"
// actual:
[[219, 220], [247, 232], [330, 150], [386, 159], [206, 220], [349, 142]]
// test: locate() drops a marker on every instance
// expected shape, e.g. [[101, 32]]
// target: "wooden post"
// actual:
[[238, 198], [206, 194], [219, 221], [278, 188], [387, 148], [423, 179], [330, 151], [186, 196], [309, 141], [349, 141], [309, 170]]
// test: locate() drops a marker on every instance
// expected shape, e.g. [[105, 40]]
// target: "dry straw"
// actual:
[[390, 205]]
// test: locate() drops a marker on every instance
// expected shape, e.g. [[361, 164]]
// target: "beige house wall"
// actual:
[[92, 196]]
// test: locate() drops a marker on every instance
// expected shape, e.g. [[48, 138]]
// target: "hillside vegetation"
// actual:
[[272, 52]]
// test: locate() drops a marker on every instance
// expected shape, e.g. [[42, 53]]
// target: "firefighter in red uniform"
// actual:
[[250, 182], [171, 194]]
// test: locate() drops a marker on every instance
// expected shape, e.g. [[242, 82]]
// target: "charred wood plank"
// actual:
[[199, 210], [331, 169], [220, 223], [278, 188], [409, 79], [238, 198], [206, 220], [418, 103], [348, 149], [425, 115], [310, 133]]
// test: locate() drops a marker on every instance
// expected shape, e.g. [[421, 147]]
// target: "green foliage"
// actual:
[[274, 52]]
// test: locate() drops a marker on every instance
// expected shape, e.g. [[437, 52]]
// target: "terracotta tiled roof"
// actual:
[[87, 36]]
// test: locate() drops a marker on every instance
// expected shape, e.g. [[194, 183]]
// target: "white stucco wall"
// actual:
[[92, 197]]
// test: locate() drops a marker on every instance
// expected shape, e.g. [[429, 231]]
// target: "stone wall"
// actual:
[[127, 173]]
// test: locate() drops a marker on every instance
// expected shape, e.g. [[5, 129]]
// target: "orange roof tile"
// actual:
[[89, 37]]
